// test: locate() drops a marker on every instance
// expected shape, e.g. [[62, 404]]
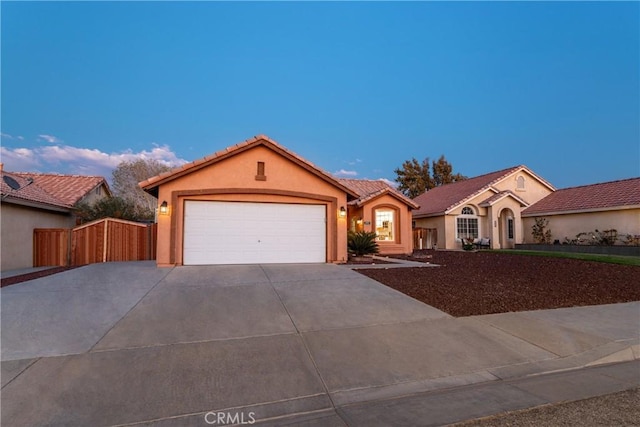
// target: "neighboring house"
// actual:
[[484, 207], [32, 201], [604, 206], [70, 189], [258, 202]]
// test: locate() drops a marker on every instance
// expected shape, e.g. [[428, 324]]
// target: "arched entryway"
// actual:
[[507, 229]]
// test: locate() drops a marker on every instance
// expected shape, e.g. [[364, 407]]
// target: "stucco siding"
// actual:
[[533, 190], [234, 179], [17, 224], [403, 242], [626, 221]]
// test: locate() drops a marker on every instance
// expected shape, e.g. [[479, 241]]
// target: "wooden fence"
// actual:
[[425, 238], [103, 240], [51, 246]]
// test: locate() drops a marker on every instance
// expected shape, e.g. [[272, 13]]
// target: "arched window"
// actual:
[[467, 224], [520, 183]]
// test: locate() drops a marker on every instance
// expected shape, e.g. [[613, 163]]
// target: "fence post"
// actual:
[[105, 241]]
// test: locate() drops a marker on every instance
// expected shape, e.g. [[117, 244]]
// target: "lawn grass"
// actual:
[[610, 259]]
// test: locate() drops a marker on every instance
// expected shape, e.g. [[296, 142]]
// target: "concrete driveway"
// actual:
[[130, 343]]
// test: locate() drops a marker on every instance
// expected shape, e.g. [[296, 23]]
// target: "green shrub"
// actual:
[[467, 244], [362, 243], [540, 232]]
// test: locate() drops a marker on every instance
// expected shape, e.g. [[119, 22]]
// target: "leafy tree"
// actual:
[[443, 173], [112, 207], [126, 177], [414, 177]]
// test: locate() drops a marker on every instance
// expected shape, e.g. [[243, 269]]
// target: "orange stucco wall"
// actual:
[[403, 242], [234, 179]]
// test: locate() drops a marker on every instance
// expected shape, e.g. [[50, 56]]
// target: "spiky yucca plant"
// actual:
[[362, 243]]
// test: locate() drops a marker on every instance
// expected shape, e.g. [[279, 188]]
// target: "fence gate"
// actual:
[[425, 238], [103, 240]]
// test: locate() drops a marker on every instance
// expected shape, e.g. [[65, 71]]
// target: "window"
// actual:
[[520, 183], [467, 224], [510, 228], [384, 224]]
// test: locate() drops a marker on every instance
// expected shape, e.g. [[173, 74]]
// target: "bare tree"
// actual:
[[126, 177]]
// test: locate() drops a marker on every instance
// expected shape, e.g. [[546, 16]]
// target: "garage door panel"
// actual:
[[251, 233]]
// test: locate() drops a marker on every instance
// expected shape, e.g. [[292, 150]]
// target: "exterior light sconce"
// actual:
[[343, 212], [164, 208]]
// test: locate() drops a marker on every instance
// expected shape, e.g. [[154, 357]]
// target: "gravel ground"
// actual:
[[485, 282], [618, 409], [6, 281]]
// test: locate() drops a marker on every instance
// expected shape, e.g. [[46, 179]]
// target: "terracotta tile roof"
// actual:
[[368, 189], [440, 199], [604, 195], [150, 185], [69, 189], [28, 192], [499, 196]]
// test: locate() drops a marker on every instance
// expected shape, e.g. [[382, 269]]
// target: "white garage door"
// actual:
[[253, 233]]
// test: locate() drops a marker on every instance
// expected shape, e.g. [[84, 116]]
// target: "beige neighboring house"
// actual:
[[603, 206], [485, 208], [257, 202], [35, 200]]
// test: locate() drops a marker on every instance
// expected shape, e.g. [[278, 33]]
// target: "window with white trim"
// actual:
[[467, 224], [384, 224]]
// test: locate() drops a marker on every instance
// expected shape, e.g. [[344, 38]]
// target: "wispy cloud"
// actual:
[[354, 162], [345, 173], [67, 159], [50, 139]]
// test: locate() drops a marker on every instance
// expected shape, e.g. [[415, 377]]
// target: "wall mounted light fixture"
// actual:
[[343, 212], [164, 208]]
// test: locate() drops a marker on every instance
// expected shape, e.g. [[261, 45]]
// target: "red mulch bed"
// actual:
[[6, 281], [474, 283]]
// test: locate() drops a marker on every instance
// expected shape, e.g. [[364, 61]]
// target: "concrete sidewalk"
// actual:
[[132, 344]]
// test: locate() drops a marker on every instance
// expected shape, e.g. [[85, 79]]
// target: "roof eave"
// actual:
[[526, 214], [33, 204]]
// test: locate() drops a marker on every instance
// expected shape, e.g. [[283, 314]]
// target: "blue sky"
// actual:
[[356, 88]]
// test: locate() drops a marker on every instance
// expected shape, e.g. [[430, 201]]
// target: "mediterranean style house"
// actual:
[[257, 202], [499, 209], [35, 200], [613, 206], [487, 209]]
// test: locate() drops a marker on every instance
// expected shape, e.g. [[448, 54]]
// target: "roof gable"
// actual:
[[151, 185], [368, 190], [605, 195], [68, 189], [440, 200]]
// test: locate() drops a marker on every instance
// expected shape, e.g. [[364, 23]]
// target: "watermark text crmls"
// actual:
[[227, 418]]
